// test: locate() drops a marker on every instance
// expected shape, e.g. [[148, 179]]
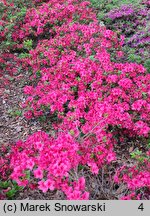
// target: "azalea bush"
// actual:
[[132, 20], [137, 177], [93, 102], [104, 6]]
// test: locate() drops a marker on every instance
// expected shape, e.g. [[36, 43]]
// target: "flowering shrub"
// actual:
[[77, 72], [132, 20], [74, 79], [136, 177], [8, 188], [50, 160], [104, 6]]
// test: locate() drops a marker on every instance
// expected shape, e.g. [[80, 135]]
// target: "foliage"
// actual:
[[9, 189]]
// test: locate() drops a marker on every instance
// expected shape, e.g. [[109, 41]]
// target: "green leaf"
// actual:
[[18, 113], [11, 193], [38, 74], [79, 152], [28, 44], [78, 78], [24, 55], [82, 120], [104, 139], [42, 118], [80, 167], [4, 184], [27, 172], [92, 57]]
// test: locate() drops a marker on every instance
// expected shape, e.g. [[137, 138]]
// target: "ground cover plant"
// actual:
[[131, 19], [92, 104]]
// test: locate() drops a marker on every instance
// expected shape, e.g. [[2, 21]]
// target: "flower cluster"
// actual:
[[137, 178], [51, 161], [91, 96], [132, 21], [125, 10]]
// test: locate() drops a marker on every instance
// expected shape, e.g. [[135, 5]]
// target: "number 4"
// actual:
[[141, 207]]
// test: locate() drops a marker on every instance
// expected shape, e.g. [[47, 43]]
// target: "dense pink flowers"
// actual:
[[137, 105], [125, 83], [38, 173], [28, 90], [89, 98], [54, 161], [135, 179]]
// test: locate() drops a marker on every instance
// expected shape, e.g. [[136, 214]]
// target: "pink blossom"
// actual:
[[120, 54], [42, 186], [137, 105], [30, 164], [125, 83], [111, 157], [38, 173], [39, 145], [28, 114], [28, 90], [49, 184], [94, 168]]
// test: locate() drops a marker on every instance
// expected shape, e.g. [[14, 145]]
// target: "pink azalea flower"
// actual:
[[38, 173], [30, 164], [49, 184], [111, 157], [42, 186]]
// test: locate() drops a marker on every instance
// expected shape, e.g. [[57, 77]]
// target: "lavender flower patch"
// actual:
[[133, 21]]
